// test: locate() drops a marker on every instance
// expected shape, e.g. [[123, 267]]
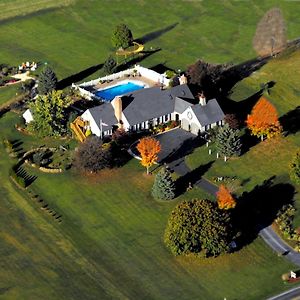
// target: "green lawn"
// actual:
[[109, 244], [9, 92], [77, 36]]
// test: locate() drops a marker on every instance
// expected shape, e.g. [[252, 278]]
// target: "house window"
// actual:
[[166, 118], [177, 117]]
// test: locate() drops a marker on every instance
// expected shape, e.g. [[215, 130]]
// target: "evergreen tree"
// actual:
[[228, 142], [163, 187], [109, 65], [47, 81]]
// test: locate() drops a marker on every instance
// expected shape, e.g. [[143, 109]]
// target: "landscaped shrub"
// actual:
[[5, 71], [284, 220], [285, 276], [170, 74], [41, 158], [8, 145], [295, 168], [163, 187]]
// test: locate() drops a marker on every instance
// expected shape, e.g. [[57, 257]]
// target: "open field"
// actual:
[[16, 8], [109, 244], [78, 36]]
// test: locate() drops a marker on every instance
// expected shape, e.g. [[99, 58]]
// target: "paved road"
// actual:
[[292, 294], [279, 246]]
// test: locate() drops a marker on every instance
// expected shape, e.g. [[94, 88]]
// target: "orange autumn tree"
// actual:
[[148, 148], [225, 199], [263, 120]]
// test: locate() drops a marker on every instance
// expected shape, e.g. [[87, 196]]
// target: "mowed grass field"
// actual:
[[74, 37], [110, 245], [17, 8]]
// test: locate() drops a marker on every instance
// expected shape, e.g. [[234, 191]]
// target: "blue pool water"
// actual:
[[110, 93]]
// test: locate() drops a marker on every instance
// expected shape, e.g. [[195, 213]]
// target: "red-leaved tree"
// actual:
[[263, 120]]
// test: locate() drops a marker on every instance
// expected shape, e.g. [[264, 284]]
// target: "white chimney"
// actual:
[[202, 99], [182, 79]]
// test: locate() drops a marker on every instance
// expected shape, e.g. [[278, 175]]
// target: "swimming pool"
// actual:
[[118, 90]]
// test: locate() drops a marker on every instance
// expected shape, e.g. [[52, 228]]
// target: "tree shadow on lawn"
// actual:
[[29, 179], [236, 73], [155, 34], [161, 68], [78, 76], [248, 141], [142, 55], [191, 178], [291, 121], [186, 148], [257, 209]]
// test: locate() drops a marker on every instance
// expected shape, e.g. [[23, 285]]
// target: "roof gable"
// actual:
[[209, 113], [105, 113]]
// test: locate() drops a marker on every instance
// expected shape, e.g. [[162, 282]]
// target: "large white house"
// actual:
[[147, 107]]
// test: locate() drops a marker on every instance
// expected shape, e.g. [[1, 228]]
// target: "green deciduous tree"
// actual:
[[163, 187], [295, 168], [198, 226], [47, 81], [122, 36], [228, 142], [48, 114]]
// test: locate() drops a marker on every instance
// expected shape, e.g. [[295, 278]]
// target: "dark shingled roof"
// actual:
[[106, 113], [209, 113], [146, 104], [181, 105]]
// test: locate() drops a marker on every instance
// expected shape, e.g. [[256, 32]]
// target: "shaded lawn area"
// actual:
[[109, 244], [85, 29]]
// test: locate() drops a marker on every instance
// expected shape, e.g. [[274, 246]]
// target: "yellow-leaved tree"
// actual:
[[148, 148]]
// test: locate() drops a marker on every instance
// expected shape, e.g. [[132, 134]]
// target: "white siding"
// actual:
[[94, 127]]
